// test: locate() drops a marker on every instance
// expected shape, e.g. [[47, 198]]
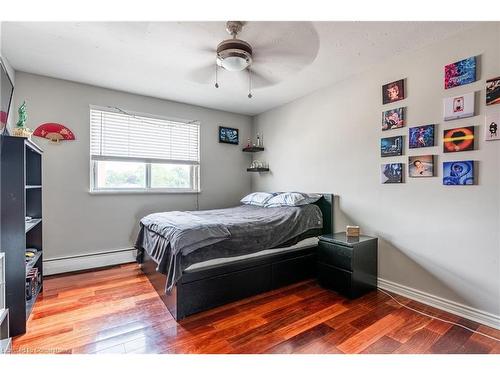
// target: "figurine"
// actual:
[[23, 116]]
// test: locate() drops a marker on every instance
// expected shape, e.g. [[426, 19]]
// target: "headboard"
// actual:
[[325, 204]]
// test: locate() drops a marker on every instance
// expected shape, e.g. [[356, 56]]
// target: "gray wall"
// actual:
[[443, 240], [76, 222]]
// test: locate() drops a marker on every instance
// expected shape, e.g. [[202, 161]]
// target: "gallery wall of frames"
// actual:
[[455, 140]]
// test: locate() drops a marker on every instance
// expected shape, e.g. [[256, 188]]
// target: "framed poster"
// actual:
[[229, 135]]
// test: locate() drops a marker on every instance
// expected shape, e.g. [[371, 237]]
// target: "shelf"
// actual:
[[257, 169], [33, 186], [33, 146], [253, 149], [33, 261], [29, 225], [31, 302]]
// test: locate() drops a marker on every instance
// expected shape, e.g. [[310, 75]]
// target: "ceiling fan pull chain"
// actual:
[[249, 84], [216, 80]]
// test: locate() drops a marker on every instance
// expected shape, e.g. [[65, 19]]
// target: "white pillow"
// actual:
[[257, 199], [292, 199]]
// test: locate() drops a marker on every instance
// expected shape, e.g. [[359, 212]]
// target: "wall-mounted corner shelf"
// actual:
[[253, 149], [257, 169]]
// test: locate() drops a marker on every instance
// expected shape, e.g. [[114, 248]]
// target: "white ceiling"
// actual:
[[172, 60]]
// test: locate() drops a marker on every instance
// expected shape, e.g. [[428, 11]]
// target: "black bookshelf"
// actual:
[[21, 196]]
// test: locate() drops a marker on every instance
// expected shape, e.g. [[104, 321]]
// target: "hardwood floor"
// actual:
[[116, 310]]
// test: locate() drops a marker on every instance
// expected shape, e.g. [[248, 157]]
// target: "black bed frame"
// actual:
[[208, 287]]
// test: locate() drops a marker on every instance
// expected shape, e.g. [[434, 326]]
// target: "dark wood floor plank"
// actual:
[[116, 310]]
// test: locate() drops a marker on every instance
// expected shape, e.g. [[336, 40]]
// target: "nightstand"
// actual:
[[347, 265]]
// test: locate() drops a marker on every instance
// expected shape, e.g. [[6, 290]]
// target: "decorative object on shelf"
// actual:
[[458, 172], [391, 173], [493, 91], [393, 92], [458, 139], [391, 146], [421, 166], [249, 143], [21, 130], [229, 135], [6, 91], [259, 141], [394, 118], [460, 106], [491, 124], [54, 132], [460, 73], [352, 231], [421, 136], [258, 166]]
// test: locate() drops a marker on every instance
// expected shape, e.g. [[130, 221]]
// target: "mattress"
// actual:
[[304, 244]]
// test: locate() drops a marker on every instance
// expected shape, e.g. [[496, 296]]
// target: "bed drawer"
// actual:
[[293, 270], [203, 294]]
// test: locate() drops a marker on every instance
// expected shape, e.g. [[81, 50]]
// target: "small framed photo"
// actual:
[[229, 135], [493, 91], [394, 118], [460, 106], [491, 127], [421, 166], [460, 73], [391, 173], [458, 139], [393, 92], [391, 146], [458, 172], [421, 136]]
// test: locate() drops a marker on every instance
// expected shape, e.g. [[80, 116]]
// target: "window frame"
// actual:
[[148, 189]]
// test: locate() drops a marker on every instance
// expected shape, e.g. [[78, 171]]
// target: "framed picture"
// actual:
[[391, 146], [229, 135], [460, 106], [491, 127], [460, 73], [458, 139], [394, 118], [391, 173], [394, 91], [421, 136], [6, 90], [421, 166], [493, 91], [458, 172]]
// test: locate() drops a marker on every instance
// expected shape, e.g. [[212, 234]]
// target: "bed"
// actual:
[[227, 269]]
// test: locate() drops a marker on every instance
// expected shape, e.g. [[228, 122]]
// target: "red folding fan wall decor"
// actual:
[[54, 132]]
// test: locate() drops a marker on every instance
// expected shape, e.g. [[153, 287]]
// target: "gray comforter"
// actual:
[[175, 240]]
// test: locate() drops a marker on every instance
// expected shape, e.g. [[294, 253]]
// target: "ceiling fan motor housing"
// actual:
[[234, 54]]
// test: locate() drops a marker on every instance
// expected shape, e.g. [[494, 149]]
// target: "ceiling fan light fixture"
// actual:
[[234, 55]]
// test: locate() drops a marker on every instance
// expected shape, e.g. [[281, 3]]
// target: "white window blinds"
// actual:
[[116, 135]]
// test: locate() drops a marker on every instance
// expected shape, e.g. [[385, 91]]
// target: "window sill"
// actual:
[[152, 191]]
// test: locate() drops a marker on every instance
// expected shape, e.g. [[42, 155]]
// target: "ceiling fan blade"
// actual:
[[203, 74], [262, 77]]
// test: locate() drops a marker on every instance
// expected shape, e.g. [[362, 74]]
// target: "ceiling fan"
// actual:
[[276, 51]]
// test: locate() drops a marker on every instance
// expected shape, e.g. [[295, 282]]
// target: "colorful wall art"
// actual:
[[394, 91], [394, 118], [391, 146], [492, 127], [460, 73], [54, 132], [493, 91], [229, 135], [421, 166], [460, 106], [391, 173], [421, 136], [458, 172], [458, 139]]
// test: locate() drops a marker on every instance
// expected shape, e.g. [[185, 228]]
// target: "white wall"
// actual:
[[12, 75], [76, 222], [443, 240]]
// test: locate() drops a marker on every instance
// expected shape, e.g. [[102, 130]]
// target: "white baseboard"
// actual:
[[88, 261], [456, 308]]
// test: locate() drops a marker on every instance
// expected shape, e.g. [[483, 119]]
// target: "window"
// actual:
[[135, 152]]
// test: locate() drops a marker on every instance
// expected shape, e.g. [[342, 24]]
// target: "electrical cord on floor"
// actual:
[[435, 317]]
